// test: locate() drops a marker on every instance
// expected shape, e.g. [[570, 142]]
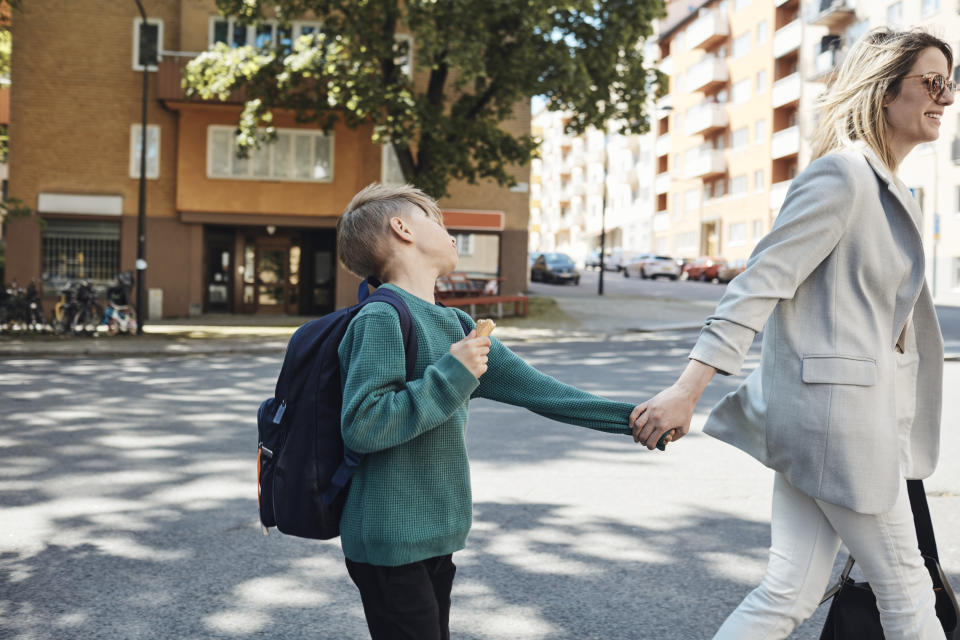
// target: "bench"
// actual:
[[520, 304]]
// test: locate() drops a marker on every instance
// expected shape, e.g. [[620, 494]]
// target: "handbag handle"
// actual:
[[921, 522]]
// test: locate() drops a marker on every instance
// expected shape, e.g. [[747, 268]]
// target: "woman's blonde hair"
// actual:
[[362, 228], [869, 77]]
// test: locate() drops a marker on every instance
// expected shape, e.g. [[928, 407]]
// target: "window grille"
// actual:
[[74, 249]]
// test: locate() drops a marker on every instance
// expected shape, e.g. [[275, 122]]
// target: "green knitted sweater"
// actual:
[[410, 497]]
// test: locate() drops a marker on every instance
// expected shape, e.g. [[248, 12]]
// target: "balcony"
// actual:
[[666, 65], [705, 117], [785, 143], [661, 221], [707, 30], [833, 14], [662, 146], [707, 74], [778, 192], [661, 184], [708, 162], [169, 76], [786, 90], [787, 39], [826, 62]]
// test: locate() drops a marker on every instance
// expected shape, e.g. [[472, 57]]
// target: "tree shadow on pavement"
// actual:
[[128, 510]]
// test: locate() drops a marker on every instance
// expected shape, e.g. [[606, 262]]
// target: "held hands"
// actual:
[[668, 414], [472, 353]]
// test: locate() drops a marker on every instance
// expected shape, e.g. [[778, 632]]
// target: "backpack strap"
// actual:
[[352, 459]]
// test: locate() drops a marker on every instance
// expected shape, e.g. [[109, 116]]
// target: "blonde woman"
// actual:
[[846, 401]]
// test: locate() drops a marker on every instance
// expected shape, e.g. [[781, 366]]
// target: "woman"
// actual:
[[846, 401]]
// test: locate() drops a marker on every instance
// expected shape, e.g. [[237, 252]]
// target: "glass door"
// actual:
[[272, 276]]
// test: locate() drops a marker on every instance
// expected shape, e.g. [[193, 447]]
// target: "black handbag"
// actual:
[[853, 611]]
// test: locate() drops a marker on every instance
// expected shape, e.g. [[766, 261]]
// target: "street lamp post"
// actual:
[[145, 57], [603, 217]]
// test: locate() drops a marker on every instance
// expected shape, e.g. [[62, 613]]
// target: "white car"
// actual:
[[649, 265]]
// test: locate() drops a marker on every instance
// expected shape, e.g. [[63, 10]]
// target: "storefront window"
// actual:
[[80, 249]]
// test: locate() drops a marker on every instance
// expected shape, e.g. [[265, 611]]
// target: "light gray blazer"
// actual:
[[834, 405]]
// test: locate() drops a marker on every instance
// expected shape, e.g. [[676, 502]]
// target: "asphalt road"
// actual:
[[127, 510], [616, 286]]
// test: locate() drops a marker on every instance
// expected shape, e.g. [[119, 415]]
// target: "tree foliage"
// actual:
[[480, 61]]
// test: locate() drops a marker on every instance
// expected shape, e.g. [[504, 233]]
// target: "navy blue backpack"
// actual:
[[303, 468]]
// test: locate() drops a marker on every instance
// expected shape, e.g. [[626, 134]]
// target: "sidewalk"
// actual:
[[211, 334], [571, 319]]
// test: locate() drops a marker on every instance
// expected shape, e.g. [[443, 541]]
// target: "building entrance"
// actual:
[[289, 271]]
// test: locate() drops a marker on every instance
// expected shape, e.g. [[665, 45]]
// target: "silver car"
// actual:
[[649, 265]]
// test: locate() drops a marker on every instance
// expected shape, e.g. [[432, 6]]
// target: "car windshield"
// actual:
[[558, 260]]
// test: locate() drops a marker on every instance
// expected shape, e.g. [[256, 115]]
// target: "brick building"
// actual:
[[222, 234]]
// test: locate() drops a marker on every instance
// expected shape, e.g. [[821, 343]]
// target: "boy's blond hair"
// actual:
[[362, 228]]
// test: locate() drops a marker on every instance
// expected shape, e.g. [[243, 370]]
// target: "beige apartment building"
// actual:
[[736, 125], [222, 234], [729, 137]]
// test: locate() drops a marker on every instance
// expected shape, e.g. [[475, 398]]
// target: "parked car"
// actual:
[[648, 265], [554, 267], [704, 268], [731, 270], [616, 259], [592, 261]]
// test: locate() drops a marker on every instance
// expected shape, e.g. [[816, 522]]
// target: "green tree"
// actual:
[[482, 59]]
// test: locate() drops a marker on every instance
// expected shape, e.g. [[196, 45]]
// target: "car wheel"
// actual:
[[576, 281], [626, 272], [703, 277], [674, 278], [643, 273]]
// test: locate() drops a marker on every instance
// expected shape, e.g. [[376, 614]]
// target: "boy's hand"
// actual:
[[472, 353]]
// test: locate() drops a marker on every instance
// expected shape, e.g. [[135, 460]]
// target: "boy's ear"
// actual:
[[401, 229]]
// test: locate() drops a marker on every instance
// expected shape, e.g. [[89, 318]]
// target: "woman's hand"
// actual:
[[472, 353], [672, 408]]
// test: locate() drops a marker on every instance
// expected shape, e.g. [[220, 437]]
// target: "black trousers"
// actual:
[[409, 602]]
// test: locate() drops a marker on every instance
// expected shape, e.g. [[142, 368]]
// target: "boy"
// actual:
[[409, 505]]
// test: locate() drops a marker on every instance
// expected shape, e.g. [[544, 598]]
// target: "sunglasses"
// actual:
[[936, 84]]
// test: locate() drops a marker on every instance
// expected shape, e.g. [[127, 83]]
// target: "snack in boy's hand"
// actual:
[[485, 327]]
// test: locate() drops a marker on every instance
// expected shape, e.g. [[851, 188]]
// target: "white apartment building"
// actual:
[[567, 189]]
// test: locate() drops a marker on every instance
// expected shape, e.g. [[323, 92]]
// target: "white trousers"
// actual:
[[805, 537]]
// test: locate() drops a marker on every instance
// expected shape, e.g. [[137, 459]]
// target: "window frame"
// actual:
[[135, 160], [250, 176], [136, 43], [295, 26]]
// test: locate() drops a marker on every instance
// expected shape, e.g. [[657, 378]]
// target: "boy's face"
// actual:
[[437, 246]]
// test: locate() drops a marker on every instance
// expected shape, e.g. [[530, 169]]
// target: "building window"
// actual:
[[741, 92], [929, 7], [757, 229], [895, 14], [958, 200], [79, 249], [296, 154], [741, 45], [153, 151], [147, 44], [738, 233], [762, 32], [464, 244], [691, 200], [390, 171], [739, 139], [761, 81], [404, 60], [266, 34], [758, 180], [738, 185], [759, 131], [739, 5], [687, 243], [856, 31]]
